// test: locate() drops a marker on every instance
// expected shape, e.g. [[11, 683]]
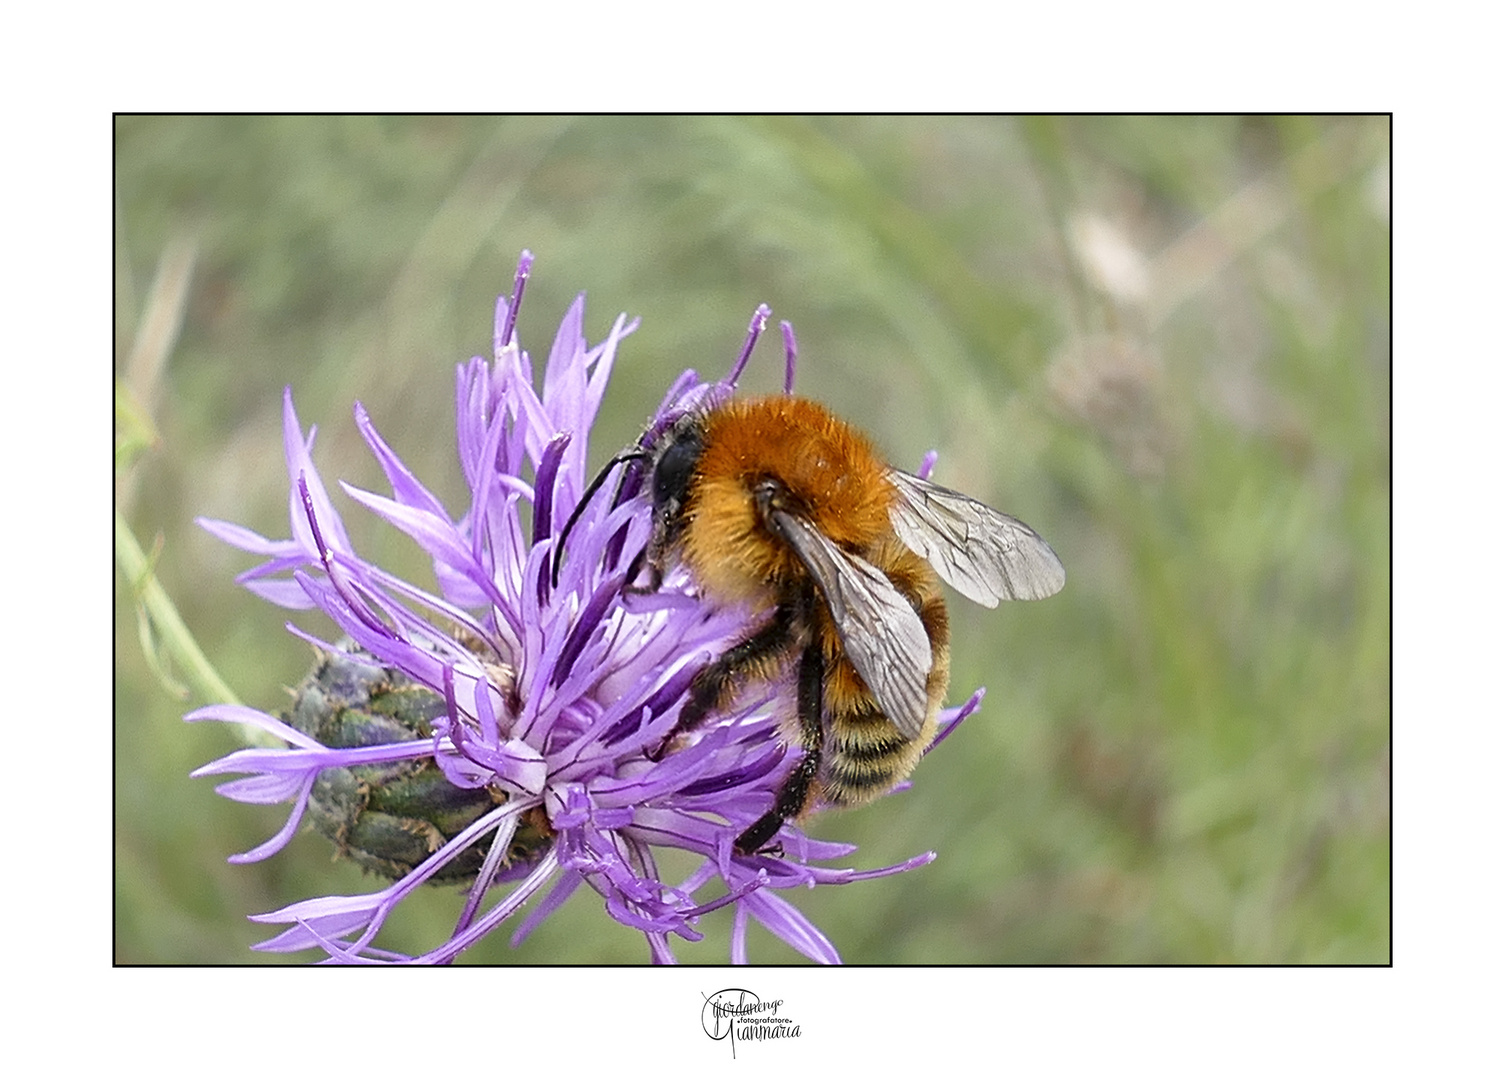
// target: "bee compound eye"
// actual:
[[675, 467]]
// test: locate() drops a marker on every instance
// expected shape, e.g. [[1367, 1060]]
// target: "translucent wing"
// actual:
[[879, 630], [986, 556]]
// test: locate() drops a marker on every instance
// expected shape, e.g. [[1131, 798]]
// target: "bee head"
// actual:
[[675, 459]]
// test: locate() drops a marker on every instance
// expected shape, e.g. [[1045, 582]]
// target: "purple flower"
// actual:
[[550, 698]]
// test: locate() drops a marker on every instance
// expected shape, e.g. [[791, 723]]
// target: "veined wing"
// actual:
[[986, 556], [879, 629]]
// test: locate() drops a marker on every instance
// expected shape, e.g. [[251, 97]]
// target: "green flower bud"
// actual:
[[390, 817]]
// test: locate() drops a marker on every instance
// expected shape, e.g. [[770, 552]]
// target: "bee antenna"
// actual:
[[635, 454]]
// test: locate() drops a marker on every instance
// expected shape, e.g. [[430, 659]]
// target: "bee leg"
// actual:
[[635, 568], [719, 681], [796, 792]]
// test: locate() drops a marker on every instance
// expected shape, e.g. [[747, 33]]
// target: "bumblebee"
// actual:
[[775, 503]]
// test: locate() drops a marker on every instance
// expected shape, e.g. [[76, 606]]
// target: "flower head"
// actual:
[[542, 692]]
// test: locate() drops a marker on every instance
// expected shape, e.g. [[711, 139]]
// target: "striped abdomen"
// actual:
[[864, 753]]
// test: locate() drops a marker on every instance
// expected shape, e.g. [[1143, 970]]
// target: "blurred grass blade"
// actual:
[[136, 389], [135, 433], [164, 637]]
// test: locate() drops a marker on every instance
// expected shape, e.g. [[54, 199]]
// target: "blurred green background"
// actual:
[[1164, 342]]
